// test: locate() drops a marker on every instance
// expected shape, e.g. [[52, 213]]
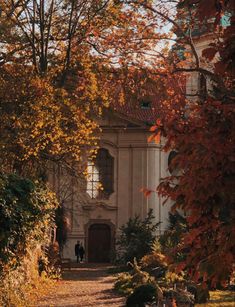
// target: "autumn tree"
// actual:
[[58, 58], [199, 126]]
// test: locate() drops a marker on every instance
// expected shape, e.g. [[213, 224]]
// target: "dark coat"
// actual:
[[77, 248], [81, 250]]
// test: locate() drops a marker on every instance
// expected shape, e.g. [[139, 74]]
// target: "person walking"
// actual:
[[81, 252], [77, 248]]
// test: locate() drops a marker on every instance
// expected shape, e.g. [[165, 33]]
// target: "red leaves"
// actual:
[[206, 9], [146, 191], [180, 267], [203, 138], [155, 137], [204, 156], [209, 53], [220, 67]]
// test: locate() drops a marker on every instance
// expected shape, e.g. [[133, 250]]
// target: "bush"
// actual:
[[202, 294], [118, 269], [26, 217], [154, 259], [141, 295], [124, 284], [18, 284], [155, 264], [172, 236], [137, 237], [157, 269], [127, 282], [179, 296]]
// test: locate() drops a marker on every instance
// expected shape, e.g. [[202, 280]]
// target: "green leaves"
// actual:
[[137, 237], [26, 212]]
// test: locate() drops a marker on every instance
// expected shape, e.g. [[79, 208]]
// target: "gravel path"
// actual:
[[86, 285]]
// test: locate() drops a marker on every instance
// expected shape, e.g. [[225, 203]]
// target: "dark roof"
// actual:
[[149, 109], [144, 111]]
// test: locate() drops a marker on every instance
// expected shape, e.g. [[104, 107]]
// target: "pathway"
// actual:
[[83, 286]]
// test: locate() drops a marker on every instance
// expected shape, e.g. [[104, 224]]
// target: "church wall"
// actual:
[[138, 180], [124, 183], [153, 179], [166, 207], [137, 164]]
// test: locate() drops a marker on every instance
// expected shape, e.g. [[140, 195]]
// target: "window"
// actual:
[[100, 175], [145, 104], [93, 183]]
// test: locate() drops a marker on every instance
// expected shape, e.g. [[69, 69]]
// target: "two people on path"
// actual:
[[79, 251]]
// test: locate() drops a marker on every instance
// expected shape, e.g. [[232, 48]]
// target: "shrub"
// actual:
[[155, 264], [202, 294], [127, 282], [141, 295], [124, 284], [26, 216], [154, 259], [169, 285], [137, 237], [179, 296], [18, 284], [172, 236]]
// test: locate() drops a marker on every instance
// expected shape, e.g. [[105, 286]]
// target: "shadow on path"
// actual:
[[84, 285]]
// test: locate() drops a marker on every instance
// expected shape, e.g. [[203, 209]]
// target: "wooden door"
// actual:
[[99, 243]]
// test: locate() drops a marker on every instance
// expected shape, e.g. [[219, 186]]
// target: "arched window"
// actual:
[[100, 175]]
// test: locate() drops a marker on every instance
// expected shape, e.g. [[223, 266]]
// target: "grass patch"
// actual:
[[220, 298]]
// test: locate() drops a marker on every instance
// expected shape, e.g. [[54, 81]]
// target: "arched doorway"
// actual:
[[99, 243]]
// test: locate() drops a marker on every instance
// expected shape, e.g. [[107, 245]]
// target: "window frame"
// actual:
[[100, 177]]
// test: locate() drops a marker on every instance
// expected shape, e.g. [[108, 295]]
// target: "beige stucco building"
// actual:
[[131, 163]]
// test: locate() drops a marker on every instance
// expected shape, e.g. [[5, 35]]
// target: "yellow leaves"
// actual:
[[156, 137], [40, 124], [45, 120], [121, 98]]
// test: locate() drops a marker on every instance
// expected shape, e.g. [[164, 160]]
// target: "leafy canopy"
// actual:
[[201, 130]]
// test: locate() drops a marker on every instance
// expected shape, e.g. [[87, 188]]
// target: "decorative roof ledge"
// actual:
[[94, 206]]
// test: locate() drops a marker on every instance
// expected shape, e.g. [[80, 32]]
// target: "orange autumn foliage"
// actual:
[[203, 134]]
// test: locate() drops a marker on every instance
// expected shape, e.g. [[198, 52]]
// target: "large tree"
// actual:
[[59, 59], [200, 128]]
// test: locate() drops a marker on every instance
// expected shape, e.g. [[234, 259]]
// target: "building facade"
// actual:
[[125, 163]]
